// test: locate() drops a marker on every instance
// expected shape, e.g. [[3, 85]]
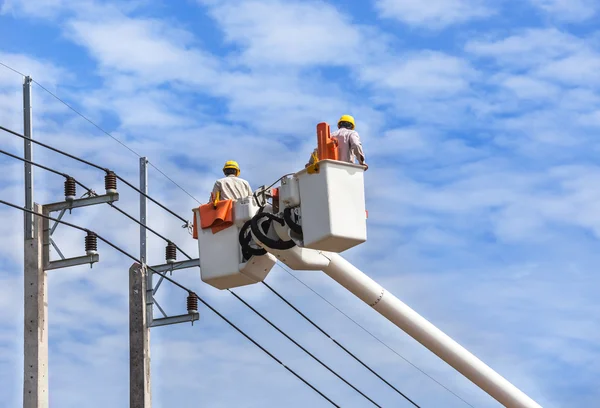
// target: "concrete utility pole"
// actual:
[[35, 329], [35, 364], [27, 132], [140, 394]]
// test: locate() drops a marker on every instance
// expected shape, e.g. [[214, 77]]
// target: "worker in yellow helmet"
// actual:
[[349, 145], [230, 187]]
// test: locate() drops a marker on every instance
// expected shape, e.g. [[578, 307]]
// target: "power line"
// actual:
[[164, 275], [91, 192], [303, 349], [112, 137], [101, 129], [339, 345], [79, 159], [285, 269], [12, 69]]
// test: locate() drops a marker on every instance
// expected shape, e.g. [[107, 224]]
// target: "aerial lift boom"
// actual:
[[315, 214]]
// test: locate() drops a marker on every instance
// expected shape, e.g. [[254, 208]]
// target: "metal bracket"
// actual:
[[82, 202], [164, 321], [151, 291], [65, 263], [48, 231], [168, 267]]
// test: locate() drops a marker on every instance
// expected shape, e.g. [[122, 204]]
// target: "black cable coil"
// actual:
[[244, 238], [287, 217], [262, 237]]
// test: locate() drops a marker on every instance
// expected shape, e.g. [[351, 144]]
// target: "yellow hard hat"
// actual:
[[347, 118], [231, 164]]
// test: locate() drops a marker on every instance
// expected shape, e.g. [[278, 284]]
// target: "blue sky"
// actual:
[[479, 123]]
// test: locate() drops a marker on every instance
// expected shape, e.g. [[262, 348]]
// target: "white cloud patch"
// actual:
[[151, 49], [434, 74], [435, 13], [289, 33], [568, 10]]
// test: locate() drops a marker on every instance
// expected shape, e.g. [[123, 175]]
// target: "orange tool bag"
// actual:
[[217, 216]]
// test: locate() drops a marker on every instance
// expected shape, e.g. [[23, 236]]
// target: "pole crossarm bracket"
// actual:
[[151, 291], [168, 267], [48, 231], [81, 202], [165, 321], [79, 260]]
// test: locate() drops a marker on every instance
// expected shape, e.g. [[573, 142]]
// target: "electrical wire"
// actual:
[[92, 193], [100, 129], [339, 345], [12, 69], [304, 349], [79, 159], [112, 137], [285, 269], [189, 291]]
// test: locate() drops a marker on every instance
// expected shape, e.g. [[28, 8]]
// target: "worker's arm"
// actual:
[[215, 190], [248, 189], [356, 148]]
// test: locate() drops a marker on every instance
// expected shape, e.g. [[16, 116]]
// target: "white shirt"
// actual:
[[349, 145], [231, 188]]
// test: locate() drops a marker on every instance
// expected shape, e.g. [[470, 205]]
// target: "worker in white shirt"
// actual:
[[230, 187], [349, 145]]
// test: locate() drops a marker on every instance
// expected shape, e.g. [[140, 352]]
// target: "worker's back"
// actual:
[[349, 145], [232, 188]]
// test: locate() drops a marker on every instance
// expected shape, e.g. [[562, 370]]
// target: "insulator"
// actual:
[[91, 243], [192, 303], [171, 252], [70, 189], [110, 182]]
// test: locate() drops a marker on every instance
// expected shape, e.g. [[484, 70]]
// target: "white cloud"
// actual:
[[526, 87], [434, 13], [150, 49], [529, 48], [427, 73], [292, 33], [568, 10]]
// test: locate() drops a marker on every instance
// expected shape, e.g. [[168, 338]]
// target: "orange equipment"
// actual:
[[217, 215]]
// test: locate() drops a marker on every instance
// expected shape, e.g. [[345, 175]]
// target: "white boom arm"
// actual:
[[406, 319]]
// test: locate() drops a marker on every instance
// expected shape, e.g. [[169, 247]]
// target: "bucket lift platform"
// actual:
[[223, 264]]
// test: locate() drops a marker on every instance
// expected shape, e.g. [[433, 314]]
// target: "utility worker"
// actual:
[[349, 145], [230, 187]]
